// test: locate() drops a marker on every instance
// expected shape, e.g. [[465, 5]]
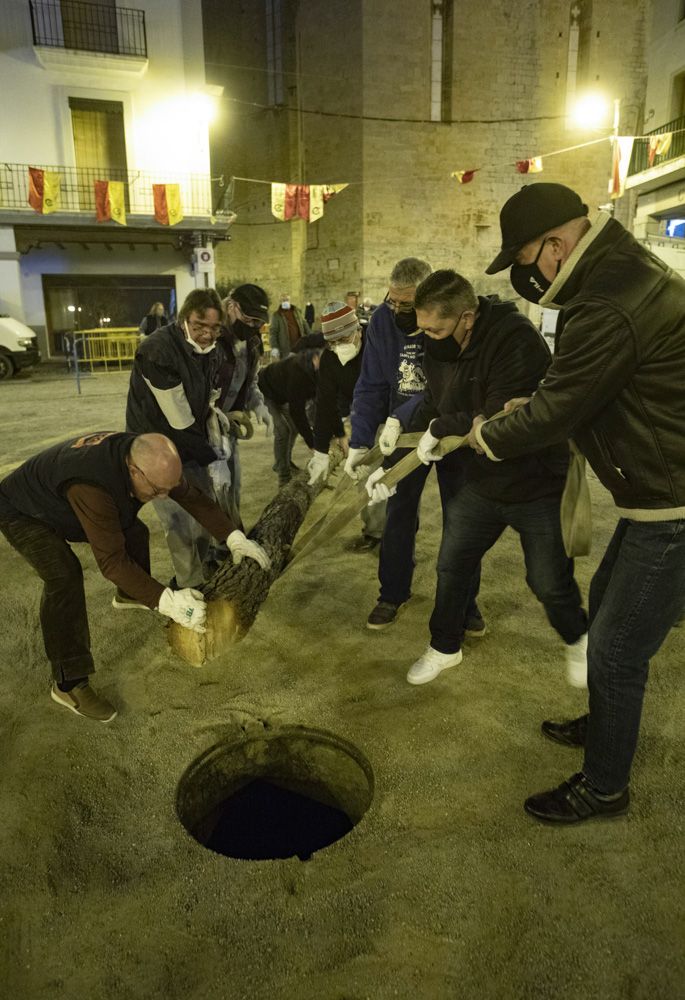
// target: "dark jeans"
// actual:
[[398, 547], [285, 434], [63, 615], [636, 596], [472, 525]]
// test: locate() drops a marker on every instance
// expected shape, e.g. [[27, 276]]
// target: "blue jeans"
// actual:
[[472, 525], [636, 596], [398, 547]]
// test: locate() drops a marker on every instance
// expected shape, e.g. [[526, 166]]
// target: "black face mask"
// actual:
[[406, 321], [242, 330], [528, 280], [442, 350]]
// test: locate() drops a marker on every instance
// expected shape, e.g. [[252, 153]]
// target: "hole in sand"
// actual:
[[284, 793]]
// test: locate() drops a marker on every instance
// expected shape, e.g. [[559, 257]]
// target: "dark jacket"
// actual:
[[151, 323], [390, 374], [243, 355], [169, 393], [291, 382], [617, 381], [278, 330], [333, 396], [506, 357]]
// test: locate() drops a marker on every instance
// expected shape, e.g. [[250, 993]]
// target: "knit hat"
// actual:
[[253, 301], [338, 320], [532, 211]]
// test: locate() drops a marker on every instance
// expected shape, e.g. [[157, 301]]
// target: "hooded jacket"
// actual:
[[617, 381], [505, 357]]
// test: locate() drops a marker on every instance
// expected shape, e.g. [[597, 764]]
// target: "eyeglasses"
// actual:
[[399, 307], [157, 491], [200, 328]]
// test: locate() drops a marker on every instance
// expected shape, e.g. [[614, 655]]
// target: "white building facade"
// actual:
[[94, 92]]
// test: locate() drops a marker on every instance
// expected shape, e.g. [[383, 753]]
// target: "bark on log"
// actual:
[[236, 593]]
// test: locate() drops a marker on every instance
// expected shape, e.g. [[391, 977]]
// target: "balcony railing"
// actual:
[[89, 27], [77, 193], [640, 159]]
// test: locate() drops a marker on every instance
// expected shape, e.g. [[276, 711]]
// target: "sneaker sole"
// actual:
[[377, 628], [427, 680], [72, 708]]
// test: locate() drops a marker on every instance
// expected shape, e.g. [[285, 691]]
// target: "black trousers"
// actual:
[[63, 615]]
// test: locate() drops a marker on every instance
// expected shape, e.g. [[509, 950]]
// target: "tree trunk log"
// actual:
[[236, 593]]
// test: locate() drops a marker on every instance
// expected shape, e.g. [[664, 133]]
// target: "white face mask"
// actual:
[[285, 304], [196, 347], [346, 352]]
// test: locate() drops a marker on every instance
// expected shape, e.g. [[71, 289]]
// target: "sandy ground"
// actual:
[[445, 889]]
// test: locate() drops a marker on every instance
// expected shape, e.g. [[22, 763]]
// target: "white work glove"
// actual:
[[378, 492], [317, 467], [387, 442], [275, 354], [425, 448], [187, 607], [355, 457], [241, 547]]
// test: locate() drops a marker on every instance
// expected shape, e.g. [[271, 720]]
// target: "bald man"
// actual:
[[90, 489]]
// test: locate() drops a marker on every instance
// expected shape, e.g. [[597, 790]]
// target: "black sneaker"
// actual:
[[575, 801], [475, 626], [572, 733], [383, 614]]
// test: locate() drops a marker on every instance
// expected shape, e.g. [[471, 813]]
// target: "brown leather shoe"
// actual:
[[84, 701]]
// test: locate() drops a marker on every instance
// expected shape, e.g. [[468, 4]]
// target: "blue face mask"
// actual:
[[528, 280]]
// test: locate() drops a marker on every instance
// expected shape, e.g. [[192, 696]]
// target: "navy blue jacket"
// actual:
[[391, 373]]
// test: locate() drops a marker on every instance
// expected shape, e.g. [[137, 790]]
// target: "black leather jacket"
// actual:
[[617, 382]]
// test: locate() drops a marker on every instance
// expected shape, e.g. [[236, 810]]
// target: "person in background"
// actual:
[[287, 387], [155, 319], [309, 314], [170, 392], [615, 386], [365, 312], [338, 373], [245, 309], [287, 326], [90, 489]]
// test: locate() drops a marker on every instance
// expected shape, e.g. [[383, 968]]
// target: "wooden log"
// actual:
[[236, 593]]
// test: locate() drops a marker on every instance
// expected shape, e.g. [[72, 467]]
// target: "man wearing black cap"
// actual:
[[238, 348], [616, 387]]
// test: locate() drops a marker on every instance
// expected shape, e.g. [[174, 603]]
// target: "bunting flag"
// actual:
[[301, 201], [167, 199], [621, 150], [659, 145], [531, 166], [44, 190], [464, 176], [110, 202]]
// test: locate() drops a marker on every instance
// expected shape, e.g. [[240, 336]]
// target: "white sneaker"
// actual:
[[431, 664], [576, 663]]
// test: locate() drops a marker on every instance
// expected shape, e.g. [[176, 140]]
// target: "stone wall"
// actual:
[[509, 81]]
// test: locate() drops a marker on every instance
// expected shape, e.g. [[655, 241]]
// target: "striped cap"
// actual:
[[338, 320]]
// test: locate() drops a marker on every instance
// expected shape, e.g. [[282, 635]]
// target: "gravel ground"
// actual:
[[445, 889]]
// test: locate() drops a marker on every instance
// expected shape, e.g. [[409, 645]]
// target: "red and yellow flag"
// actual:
[[167, 199], [44, 190], [110, 202]]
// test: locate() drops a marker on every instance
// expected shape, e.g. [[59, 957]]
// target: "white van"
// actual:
[[18, 347]]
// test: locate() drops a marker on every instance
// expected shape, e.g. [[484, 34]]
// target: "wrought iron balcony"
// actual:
[[639, 161], [77, 194], [88, 27]]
